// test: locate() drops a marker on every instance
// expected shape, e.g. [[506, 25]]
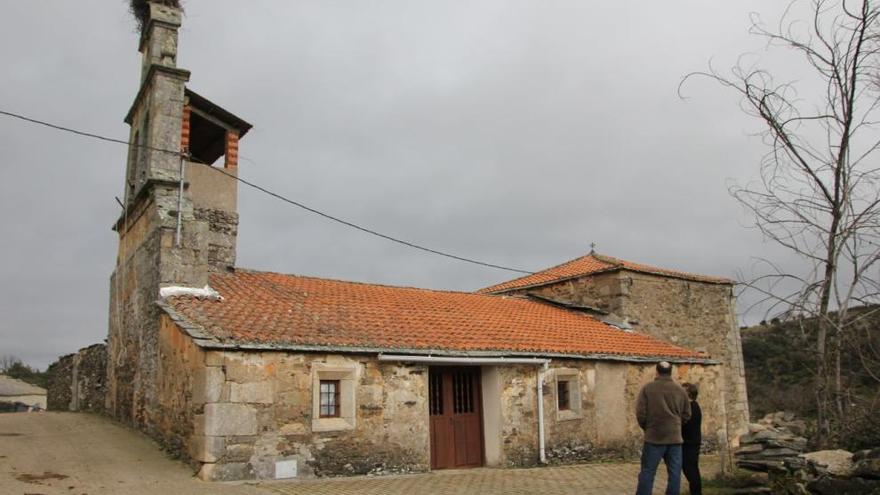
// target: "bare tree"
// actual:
[[8, 362], [819, 188]]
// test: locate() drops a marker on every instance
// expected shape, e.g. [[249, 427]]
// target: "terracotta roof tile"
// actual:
[[270, 308], [589, 265]]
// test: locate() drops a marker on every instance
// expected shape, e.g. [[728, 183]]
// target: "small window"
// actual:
[[563, 400], [329, 406], [333, 396]]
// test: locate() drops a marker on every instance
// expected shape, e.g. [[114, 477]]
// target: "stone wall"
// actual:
[[600, 291], [601, 422], [78, 382], [696, 315], [259, 418], [215, 198], [222, 235], [58, 388], [572, 435], [148, 259], [519, 416], [180, 388], [699, 316], [252, 415], [709, 380]]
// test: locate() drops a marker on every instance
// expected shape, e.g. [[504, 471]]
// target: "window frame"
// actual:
[[563, 395], [335, 404], [571, 377], [347, 374]]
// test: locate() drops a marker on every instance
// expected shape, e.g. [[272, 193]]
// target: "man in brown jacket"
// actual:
[[661, 408]]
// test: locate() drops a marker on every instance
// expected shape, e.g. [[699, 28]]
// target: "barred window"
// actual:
[[329, 405]]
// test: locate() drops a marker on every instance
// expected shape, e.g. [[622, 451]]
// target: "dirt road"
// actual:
[[83, 454]]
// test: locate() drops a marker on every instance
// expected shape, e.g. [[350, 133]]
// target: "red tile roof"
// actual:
[[592, 264], [287, 311]]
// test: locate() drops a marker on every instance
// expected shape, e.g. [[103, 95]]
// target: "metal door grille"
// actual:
[[435, 390]]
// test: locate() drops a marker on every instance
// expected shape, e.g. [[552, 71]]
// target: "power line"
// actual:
[[83, 133], [270, 193], [364, 229]]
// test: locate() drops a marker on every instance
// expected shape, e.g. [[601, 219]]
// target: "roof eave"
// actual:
[[553, 281], [693, 278], [258, 346]]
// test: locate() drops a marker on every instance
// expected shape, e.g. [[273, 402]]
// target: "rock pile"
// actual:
[[771, 443], [866, 463], [787, 420], [831, 472]]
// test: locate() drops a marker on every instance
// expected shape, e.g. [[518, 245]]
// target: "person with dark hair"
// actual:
[[692, 436], [661, 409]]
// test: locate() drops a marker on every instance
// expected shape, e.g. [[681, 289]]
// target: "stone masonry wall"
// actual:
[[571, 436], [696, 315], [58, 389], [603, 425], [519, 416], [709, 379], [148, 259], [222, 234], [601, 292], [241, 415], [180, 390], [90, 379], [259, 411], [77, 382]]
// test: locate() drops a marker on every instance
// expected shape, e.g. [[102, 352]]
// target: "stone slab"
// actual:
[[223, 419], [253, 392]]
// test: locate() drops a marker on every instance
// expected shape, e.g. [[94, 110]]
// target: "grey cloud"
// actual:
[[513, 132]]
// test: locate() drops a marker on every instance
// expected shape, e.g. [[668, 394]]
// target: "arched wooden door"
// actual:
[[456, 414]]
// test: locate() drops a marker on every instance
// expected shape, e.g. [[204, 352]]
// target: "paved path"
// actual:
[[85, 454], [584, 479]]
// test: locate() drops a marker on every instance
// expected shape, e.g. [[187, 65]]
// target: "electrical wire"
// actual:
[[270, 193]]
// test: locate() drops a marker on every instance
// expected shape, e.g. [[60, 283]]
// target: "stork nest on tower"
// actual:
[[140, 9]]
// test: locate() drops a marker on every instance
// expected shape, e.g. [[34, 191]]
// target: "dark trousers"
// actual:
[[652, 453], [690, 466]]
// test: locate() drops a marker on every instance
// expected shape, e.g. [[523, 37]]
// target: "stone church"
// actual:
[[258, 375]]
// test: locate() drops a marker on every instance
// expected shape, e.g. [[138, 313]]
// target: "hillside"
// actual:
[[780, 370]]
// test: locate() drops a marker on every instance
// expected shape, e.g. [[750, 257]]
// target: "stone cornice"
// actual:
[[181, 74]]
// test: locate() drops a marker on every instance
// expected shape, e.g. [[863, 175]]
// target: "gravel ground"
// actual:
[[85, 454]]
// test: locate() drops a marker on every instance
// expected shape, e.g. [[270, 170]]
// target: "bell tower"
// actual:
[[156, 116], [179, 217]]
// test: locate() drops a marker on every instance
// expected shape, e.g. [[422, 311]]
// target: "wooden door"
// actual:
[[456, 417]]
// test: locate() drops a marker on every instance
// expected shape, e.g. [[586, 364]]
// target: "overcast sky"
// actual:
[[515, 132]]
